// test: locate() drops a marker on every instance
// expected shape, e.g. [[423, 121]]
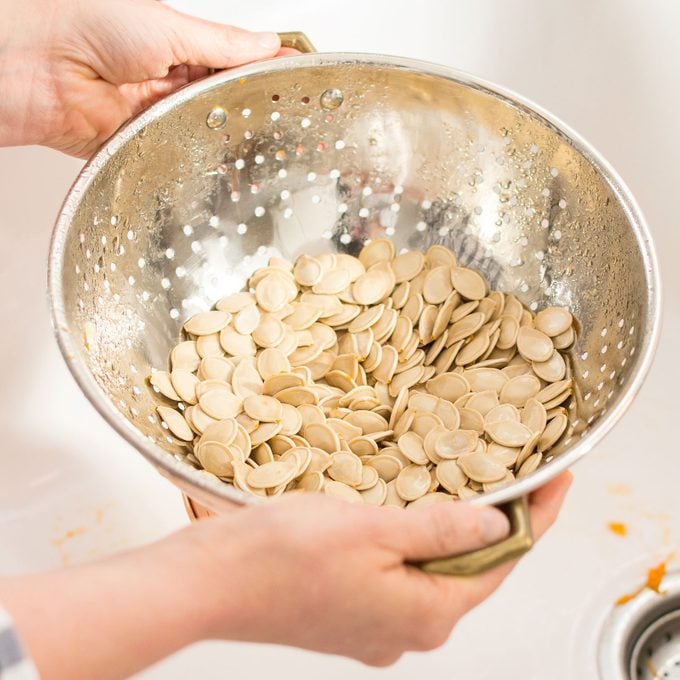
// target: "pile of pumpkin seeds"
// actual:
[[386, 379]]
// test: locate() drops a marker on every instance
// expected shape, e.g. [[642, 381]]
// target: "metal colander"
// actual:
[[321, 152]]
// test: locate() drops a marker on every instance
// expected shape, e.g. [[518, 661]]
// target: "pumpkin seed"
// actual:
[[176, 423], [236, 344], [553, 431], [235, 303], [468, 283], [449, 386], [553, 321], [451, 445], [411, 445], [413, 482], [517, 390], [185, 355], [388, 466], [207, 323], [263, 408], [508, 433], [216, 458], [534, 415], [481, 468], [451, 476], [373, 286], [345, 467], [534, 345], [338, 378], [209, 346], [215, 368], [529, 465], [437, 285], [311, 481], [272, 474], [379, 250], [552, 370], [377, 494], [163, 383], [564, 340]]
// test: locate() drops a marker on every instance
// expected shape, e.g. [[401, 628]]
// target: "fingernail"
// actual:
[[493, 524], [268, 41]]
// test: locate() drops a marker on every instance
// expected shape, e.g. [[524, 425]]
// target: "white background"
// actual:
[[70, 490]]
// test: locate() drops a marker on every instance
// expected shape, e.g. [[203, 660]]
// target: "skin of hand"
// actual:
[[72, 71], [306, 570]]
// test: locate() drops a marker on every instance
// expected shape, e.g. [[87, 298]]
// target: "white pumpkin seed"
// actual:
[[553, 321], [508, 433], [162, 382], [307, 270], [342, 491], [345, 467], [235, 303], [207, 323], [468, 283], [437, 285], [338, 378], [451, 476], [481, 467], [553, 431], [272, 474], [534, 345], [176, 423], [552, 370], [377, 494], [413, 482]]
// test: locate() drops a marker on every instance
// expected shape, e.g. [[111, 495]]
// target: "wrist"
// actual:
[[14, 76], [26, 96], [182, 582], [224, 558], [5, 71]]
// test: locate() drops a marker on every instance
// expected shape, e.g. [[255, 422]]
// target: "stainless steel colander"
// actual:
[[320, 152]]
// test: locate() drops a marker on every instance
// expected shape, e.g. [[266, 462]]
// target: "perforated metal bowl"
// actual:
[[321, 152]]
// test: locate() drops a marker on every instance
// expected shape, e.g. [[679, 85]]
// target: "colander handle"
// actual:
[[298, 41], [470, 564]]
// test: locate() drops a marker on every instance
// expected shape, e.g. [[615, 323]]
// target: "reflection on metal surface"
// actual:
[[297, 40], [217, 118]]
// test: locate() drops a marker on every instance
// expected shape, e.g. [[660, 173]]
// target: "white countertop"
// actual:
[[71, 490]]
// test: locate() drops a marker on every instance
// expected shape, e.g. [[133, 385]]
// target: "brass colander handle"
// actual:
[[467, 564], [478, 561], [297, 40]]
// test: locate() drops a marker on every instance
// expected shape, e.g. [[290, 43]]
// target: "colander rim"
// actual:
[[199, 485]]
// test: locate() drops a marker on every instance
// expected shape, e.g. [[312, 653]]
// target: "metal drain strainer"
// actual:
[[657, 651], [641, 640]]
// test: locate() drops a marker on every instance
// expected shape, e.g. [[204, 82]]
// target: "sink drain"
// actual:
[[641, 640], [656, 654]]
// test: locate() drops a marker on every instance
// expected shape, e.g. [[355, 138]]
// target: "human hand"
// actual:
[[308, 571], [72, 72], [314, 572]]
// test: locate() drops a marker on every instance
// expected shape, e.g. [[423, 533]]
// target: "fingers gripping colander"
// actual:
[[321, 152]]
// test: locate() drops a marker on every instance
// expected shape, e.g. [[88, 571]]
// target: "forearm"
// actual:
[[20, 80], [6, 27], [112, 618]]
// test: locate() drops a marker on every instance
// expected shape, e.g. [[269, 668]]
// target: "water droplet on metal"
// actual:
[[332, 98], [217, 118]]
